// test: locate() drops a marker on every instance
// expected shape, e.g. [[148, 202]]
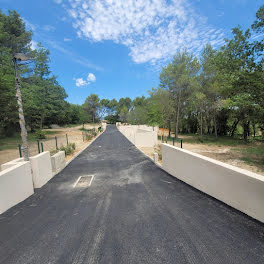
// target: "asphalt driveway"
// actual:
[[133, 212]]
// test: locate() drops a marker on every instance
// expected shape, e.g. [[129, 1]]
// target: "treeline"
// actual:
[[43, 98], [222, 89], [214, 94]]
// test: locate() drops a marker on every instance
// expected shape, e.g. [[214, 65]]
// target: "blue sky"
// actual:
[[116, 48]]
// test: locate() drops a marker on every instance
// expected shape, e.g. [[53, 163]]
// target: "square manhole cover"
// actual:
[[84, 181]]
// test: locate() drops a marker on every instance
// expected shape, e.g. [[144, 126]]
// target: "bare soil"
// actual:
[[49, 144]]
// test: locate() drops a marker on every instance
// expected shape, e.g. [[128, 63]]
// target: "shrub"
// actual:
[[72, 145], [68, 149], [88, 136], [40, 134]]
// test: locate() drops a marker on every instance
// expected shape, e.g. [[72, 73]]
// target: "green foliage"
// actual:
[[112, 119], [91, 108], [88, 137], [69, 149], [40, 134], [43, 98], [72, 145], [221, 94]]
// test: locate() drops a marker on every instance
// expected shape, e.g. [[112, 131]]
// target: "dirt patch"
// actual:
[[74, 135]]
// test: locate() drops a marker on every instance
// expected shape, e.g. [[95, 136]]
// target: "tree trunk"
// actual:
[[234, 127], [169, 123], [248, 127], [201, 126], [215, 126], [254, 129], [177, 116], [245, 130]]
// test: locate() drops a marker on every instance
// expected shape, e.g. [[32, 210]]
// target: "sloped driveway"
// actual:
[[133, 212]]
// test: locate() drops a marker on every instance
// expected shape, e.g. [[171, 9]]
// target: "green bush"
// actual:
[[94, 133], [88, 136], [40, 134], [100, 129], [72, 145], [68, 149]]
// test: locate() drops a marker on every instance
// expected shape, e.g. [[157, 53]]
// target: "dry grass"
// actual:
[[10, 145]]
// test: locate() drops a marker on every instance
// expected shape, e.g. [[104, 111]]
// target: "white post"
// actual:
[[156, 157]]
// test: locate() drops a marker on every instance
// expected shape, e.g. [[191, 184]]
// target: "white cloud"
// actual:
[[58, 1], [81, 82], [91, 77], [67, 39], [33, 44], [153, 30], [29, 25]]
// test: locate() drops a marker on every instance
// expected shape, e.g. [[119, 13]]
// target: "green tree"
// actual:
[[258, 27], [242, 76], [123, 107], [13, 38], [160, 108], [91, 107], [178, 77]]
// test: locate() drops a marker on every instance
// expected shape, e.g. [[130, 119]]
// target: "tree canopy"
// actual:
[[216, 93]]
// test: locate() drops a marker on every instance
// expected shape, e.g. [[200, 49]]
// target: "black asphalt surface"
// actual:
[[133, 212]]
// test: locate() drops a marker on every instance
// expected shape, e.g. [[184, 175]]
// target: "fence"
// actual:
[[171, 140], [51, 143]]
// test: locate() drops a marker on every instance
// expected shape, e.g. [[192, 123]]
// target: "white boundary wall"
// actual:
[[41, 168], [104, 125], [11, 163], [58, 162], [140, 135], [241, 189], [15, 185]]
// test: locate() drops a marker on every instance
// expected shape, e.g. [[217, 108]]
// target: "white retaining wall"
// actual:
[[146, 138], [140, 135], [58, 162], [241, 189], [104, 125], [19, 178], [41, 169], [11, 163], [15, 185]]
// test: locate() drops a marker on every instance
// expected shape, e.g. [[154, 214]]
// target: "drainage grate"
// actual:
[[84, 181]]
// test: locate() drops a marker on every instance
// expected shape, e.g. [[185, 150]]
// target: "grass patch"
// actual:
[[253, 155]]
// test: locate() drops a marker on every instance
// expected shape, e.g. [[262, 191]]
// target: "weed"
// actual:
[[69, 149]]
